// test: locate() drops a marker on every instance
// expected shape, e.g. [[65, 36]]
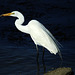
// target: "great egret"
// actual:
[[39, 34]]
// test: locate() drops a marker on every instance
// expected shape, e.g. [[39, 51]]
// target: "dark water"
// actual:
[[21, 60], [17, 50]]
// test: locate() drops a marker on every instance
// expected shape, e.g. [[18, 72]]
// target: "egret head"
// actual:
[[14, 14]]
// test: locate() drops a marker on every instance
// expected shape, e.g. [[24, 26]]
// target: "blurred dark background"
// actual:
[[57, 16]]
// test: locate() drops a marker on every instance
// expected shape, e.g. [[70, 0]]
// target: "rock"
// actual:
[[61, 71]]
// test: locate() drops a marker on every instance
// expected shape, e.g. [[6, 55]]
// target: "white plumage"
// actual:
[[39, 34]]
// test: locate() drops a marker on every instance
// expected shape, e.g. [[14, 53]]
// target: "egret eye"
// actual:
[[13, 13]]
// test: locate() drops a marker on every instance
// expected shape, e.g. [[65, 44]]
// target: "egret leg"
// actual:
[[37, 52], [43, 54], [38, 69], [44, 67]]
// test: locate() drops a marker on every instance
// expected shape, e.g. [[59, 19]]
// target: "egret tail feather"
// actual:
[[60, 55]]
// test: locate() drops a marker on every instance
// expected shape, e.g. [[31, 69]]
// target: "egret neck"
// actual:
[[19, 22]]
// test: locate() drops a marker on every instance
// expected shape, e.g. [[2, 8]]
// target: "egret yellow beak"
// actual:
[[7, 14]]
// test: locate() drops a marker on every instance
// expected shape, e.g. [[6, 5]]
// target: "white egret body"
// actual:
[[39, 34]]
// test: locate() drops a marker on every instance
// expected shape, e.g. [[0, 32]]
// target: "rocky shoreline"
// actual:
[[61, 71]]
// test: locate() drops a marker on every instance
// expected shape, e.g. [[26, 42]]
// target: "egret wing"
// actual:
[[41, 36]]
